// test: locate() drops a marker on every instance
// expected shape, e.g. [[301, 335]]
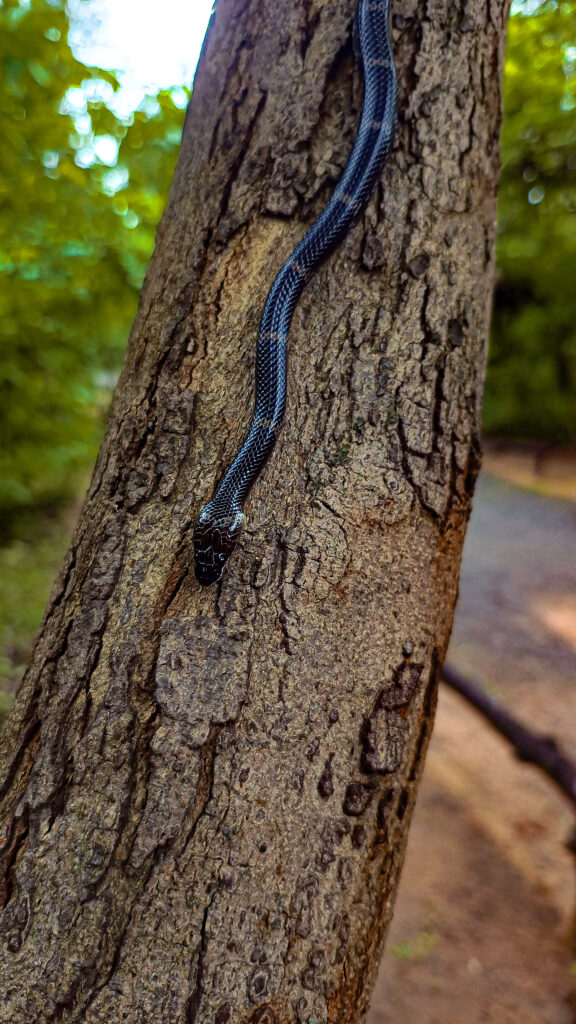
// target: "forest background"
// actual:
[[83, 184]]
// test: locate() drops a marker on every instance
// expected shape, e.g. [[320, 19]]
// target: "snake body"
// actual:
[[220, 521]]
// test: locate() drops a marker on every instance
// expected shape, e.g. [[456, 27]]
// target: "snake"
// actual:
[[220, 522]]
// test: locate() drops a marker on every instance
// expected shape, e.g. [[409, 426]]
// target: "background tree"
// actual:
[[185, 836]]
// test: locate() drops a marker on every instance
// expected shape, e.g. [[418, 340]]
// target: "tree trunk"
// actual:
[[206, 794]]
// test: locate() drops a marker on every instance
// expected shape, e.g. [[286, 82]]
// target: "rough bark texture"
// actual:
[[206, 795]]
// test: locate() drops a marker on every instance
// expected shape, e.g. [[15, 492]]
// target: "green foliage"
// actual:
[[531, 385], [77, 224]]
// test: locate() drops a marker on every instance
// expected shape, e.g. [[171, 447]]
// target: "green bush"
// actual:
[[531, 383]]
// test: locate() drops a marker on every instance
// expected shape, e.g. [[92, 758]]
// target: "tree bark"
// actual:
[[206, 794]]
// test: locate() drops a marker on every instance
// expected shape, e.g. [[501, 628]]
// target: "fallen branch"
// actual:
[[532, 747]]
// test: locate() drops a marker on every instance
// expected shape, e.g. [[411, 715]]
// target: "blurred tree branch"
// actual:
[[531, 747]]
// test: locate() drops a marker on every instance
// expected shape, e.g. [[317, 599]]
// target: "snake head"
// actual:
[[215, 537]]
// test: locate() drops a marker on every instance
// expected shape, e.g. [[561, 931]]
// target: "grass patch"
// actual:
[[418, 948]]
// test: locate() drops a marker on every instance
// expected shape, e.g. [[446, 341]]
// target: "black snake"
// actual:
[[221, 520]]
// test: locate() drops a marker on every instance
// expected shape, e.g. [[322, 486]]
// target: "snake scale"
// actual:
[[220, 521]]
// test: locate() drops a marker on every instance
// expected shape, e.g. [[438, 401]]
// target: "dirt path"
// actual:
[[480, 932]]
